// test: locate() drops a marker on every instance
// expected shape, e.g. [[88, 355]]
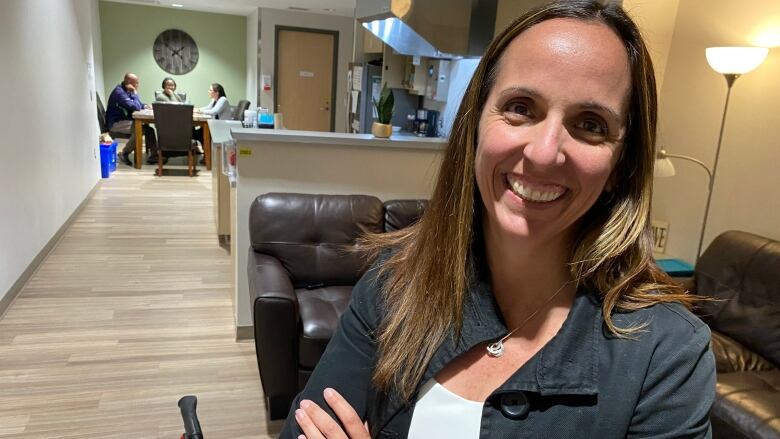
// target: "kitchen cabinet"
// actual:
[[437, 79], [393, 68], [371, 44], [415, 75]]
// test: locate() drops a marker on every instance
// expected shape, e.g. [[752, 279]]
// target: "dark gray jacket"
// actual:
[[584, 383]]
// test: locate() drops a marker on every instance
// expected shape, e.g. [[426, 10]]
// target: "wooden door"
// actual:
[[305, 73]]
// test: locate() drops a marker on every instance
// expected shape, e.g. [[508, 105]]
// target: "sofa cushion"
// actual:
[[747, 403], [312, 235], [740, 269], [403, 213], [319, 310]]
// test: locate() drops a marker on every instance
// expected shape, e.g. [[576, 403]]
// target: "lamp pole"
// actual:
[[730, 78], [662, 154]]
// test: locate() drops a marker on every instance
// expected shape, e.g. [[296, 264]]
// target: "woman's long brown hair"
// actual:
[[427, 273]]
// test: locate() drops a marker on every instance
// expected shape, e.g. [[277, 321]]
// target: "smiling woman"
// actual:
[[549, 135], [526, 300]]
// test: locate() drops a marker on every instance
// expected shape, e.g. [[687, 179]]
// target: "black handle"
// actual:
[[188, 405]]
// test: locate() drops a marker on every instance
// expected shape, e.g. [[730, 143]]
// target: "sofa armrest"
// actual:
[[731, 356], [275, 319], [268, 279]]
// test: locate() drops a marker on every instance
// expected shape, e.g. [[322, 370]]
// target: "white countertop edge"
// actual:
[[344, 139]]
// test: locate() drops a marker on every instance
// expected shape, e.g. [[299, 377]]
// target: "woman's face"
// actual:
[[213, 93], [170, 85], [551, 129]]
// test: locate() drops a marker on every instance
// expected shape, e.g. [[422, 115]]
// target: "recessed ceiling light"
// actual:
[[177, 5]]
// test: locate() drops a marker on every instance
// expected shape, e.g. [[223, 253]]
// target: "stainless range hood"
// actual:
[[431, 28]]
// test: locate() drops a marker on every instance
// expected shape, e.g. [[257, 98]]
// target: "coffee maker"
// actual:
[[433, 124], [426, 123]]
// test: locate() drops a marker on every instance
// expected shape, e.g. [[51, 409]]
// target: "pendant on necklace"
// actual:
[[496, 349]]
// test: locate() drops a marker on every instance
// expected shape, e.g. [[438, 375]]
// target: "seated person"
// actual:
[[219, 108], [168, 93], [122, 102]]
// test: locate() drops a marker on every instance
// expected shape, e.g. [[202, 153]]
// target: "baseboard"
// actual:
[[16, 288], [244, 333]]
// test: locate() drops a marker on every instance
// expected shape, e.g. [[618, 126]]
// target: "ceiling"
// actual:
[[344, 8]]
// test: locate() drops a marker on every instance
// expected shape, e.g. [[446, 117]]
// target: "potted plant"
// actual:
[[384, 110]]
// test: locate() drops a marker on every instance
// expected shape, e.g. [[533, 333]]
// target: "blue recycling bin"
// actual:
[[105, 160], [112, 168]]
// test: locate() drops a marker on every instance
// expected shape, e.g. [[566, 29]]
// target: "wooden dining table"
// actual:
[[146, 116]]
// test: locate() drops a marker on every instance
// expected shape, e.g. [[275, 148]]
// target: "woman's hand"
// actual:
[[317, 424]]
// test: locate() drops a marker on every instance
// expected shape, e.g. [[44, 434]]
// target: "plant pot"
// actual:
[[381, 130]]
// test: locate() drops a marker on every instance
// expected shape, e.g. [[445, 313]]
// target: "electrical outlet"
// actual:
[[660, 234]]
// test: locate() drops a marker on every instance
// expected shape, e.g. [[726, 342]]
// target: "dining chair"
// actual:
[[174, 134], [101, 114], [238, 112]]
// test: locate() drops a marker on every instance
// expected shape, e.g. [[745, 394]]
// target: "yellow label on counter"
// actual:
[[244, 151]]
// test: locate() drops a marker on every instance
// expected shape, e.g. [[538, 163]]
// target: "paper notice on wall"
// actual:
[[357, 77], [355, 98], [305, 74]]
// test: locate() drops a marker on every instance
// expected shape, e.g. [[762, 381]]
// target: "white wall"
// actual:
[[745, 194], [656, 20], [97, 47], [270, 18], [252, 61], [48, 161]]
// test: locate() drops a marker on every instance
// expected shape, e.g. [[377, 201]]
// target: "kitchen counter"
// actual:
[[405, 140], [401, 167]]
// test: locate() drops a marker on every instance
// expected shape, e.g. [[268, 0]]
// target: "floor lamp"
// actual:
[[731, 62]]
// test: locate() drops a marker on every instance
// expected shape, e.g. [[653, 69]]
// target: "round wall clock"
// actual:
[[175, 51]]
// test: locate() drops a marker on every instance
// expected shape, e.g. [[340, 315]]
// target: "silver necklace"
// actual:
[[496, 349]]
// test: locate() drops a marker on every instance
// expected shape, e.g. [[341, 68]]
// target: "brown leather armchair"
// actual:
[[742, 270], [301, 275]]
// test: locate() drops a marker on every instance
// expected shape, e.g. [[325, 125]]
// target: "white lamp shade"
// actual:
[[663, 168], [735, 60]]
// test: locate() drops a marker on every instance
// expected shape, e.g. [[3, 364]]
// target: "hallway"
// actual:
[[130, 311]]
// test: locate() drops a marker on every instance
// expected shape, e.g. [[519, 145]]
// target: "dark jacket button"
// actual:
[[514, 405]]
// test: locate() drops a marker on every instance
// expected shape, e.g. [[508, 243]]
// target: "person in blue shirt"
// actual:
[[122, 102]]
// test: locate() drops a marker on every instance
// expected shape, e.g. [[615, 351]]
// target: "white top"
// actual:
[[441, 413], [219, 108]]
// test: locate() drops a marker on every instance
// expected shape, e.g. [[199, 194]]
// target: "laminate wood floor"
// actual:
[[129, 312]]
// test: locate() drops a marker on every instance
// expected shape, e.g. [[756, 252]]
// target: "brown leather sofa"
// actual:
[[742, 270], [301, 275]]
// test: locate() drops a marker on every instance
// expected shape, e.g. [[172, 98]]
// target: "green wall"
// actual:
[[128, 32]]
